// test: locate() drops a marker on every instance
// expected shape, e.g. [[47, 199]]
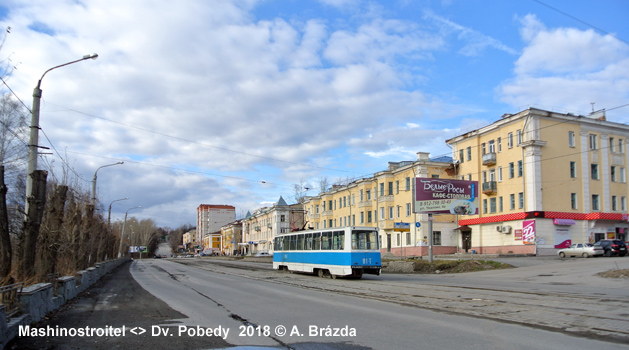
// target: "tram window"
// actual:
[[293, 241], [300, 242], [354, 240], [278, 243], [326, 240], [317, 241], [308, 242], [286, 243], [338, 240], [365, 240]]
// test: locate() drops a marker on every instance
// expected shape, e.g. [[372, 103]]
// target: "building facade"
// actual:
[[210, 218], [260, 228], [231, 235], [548, 179], [386, 200]]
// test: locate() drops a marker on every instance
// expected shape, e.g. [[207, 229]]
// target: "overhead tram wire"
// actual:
[[199, 143]]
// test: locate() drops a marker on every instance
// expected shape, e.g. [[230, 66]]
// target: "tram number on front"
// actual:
[[366, 261]]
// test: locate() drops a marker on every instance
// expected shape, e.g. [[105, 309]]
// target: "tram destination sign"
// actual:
[[442, 196]]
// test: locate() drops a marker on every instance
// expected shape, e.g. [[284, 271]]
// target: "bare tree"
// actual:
[[300, 190], [324, 183]]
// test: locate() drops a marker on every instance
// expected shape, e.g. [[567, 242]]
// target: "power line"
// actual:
[[579, 20]]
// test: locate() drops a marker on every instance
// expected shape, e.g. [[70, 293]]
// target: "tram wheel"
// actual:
[[320, 273]]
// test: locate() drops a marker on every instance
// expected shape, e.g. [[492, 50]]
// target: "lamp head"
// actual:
[[92, 56]]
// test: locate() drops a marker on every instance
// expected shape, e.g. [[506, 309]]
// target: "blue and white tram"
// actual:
[[343, 251]]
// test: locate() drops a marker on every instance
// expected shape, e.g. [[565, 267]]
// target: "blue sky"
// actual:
[[233, 102]]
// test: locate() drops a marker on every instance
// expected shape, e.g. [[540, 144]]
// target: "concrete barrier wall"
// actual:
[[37, 300]]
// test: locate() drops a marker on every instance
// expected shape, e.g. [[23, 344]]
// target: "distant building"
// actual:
[[210, 218], [260, 228], [231, 236]]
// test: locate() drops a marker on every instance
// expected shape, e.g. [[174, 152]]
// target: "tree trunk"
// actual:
[[6, 253], [32, 225]]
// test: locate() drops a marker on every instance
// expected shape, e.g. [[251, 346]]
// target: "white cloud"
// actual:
[[567, 68]]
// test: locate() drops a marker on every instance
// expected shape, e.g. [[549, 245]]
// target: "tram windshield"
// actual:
[[365, 240]]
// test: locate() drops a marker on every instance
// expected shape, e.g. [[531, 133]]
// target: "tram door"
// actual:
[[466, 238], [388, 242]]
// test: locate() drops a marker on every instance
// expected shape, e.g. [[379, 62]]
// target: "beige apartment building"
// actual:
[[260, 228], [210, 218], [231, 235], [385, 200], [547, 180]]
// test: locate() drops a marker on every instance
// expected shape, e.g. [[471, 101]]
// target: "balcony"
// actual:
[[490, 187], [489, 158]]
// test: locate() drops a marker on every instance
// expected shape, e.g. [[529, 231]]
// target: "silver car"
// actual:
[[585, 250]]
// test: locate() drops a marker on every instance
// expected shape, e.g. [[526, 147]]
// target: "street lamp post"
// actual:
[[123, 227], [34, 138], [109, 216], [94, 182]]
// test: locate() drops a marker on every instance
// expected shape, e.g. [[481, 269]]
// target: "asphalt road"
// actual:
[[547, 303], [115, 301]]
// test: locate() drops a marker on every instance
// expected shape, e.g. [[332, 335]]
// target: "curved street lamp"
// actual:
[[109, 216], [94, 182], [34, 138], [123, 227]]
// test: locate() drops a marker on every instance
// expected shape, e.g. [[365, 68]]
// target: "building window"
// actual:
[[510, 140], [408, 183], [362, 217], [434, 176], [382, 189], [499, 174], [361, 196], [621, 146], [612, 147], [390, 212], [593, 142], [408, 209], [282, 218], [521, 200], [469, 177], [484, 206], [499, 142], [368, 195], [573, 169], [399, 210], [623, 203], [408, 238], [595, 205], [623, 177], [492, 205], [469, 154], [397, 187], [436, 237], [390, 188], [520, 170], [317, 207], [500, 206], [512, 201], [573, 201], [483, 149], [613, 174], [614, 204], [571, 139], [511, 170], [519, 136], [492, 146], [382, 213], [461, 156], [594, 168], [369, 216]]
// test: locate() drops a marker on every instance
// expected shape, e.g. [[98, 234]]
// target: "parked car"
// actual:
[[612, 247], [259, 254], [585, 250]]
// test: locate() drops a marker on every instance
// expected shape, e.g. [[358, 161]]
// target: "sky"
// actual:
[[235, 102]]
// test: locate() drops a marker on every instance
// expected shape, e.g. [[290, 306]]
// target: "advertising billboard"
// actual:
[[441, 196]]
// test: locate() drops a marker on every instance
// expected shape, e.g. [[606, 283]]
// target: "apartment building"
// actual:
[[210, 218], [386, 201], [231, 235], [548, 179], [260, 228]]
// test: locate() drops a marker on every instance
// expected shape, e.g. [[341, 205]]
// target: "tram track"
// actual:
[[582, 315]]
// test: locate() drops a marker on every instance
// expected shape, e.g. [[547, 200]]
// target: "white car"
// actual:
[[259, 254], [585, 250]]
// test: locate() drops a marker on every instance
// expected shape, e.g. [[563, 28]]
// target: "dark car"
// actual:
[[612, 247]]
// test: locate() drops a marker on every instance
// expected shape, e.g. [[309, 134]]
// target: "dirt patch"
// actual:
[[618, 273], [457, 266]]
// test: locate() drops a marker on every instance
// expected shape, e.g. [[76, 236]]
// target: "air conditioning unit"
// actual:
[[506, 229], [499, 228]]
